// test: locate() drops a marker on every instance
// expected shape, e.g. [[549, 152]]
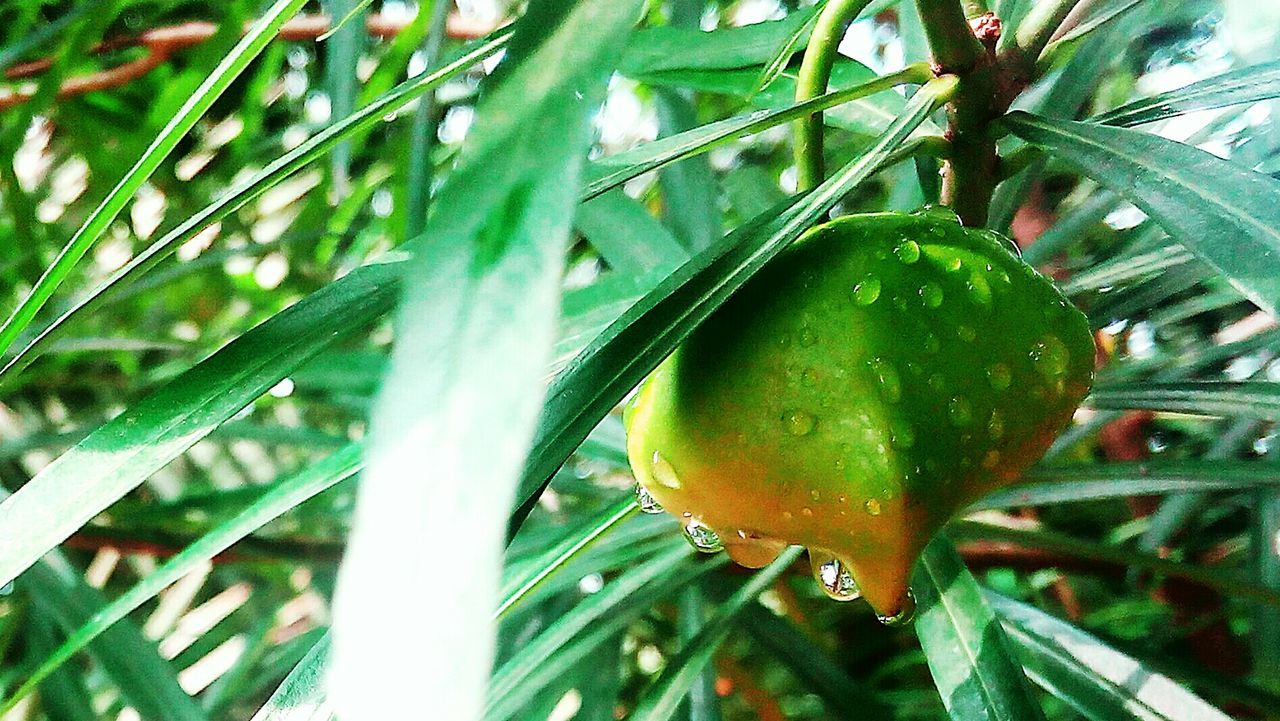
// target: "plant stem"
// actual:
[[1039, 26], [815, 73], [972, 170]]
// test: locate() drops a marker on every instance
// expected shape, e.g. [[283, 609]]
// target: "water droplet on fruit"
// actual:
[[663, 472], [955, 264], [753, 550], [887, 377], [809, 378], [807, 338], [832, 576], [904, 614], [966, 333], [908, 251], [999, 375], [901, 435], [872, 507], [815, 494], [702, 538], [931, 294], [937, 382], [799, 423], [931, 343], [959, 411], [1049, 356], [995, 426], [807, 512], [646, 501], [866, 292]]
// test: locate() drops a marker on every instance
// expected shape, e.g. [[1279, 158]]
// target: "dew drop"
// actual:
[[663, 472], [872, 507], [646, 501], [887, 377], [702, 538], [908, 251], [966, 333], [1050, 357], [931, 294], [833, 577], [995, 426], [799, 423], [904, 614], [867, 291], [901, 435], [999, 376], [960, 412]]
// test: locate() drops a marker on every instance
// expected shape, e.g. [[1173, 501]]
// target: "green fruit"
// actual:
[[878, 376]]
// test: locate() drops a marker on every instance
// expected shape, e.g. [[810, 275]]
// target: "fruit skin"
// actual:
[[881, 374]]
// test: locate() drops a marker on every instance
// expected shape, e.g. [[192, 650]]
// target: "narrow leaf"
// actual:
[[1253, 399], [970, 658], [475, 331], [191, 111], [1227, 215], [1242, 85]]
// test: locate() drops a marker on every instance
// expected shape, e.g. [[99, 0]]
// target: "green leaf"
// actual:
[[969, 655], [670, 47], [1225, 214], [1253, 399], [797, 40], [588, 624], [661, 699], [301, 696], [475, 332], [126, 450], [627, 237], [284, 496], [191, 111], [239, 195], [1093, 482], [1242, 85], [598, 378], [133, 663], [1095, 679]]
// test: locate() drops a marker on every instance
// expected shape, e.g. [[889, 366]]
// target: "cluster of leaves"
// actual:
[[208, 264]]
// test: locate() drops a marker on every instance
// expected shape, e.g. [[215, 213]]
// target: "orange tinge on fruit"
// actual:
[[877, 377]]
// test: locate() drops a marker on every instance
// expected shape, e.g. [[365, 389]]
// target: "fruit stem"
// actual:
[[966, 49], [815, 73]]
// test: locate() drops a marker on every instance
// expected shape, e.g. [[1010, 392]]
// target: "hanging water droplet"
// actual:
[[753, 550], [663, 472], [646, 501], [908, 251], [999, 376], [931, 294], [867, 291], [872, 507], [904, 614], [959, 411], [702, 538], [833, 577], [799, 423], [1050, 356]]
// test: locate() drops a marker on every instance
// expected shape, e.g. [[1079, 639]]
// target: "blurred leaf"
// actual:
[[1255, 399], [1227, 215], [475, 331], [971, 659], [627, 237], [284, 496], [133, 663], [688, 186], [598, 378], [191, 111], [660, 700], [1092, 482], [126, 450], [1242, 85], [670, 47], [301, 696], [1095, 679]]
